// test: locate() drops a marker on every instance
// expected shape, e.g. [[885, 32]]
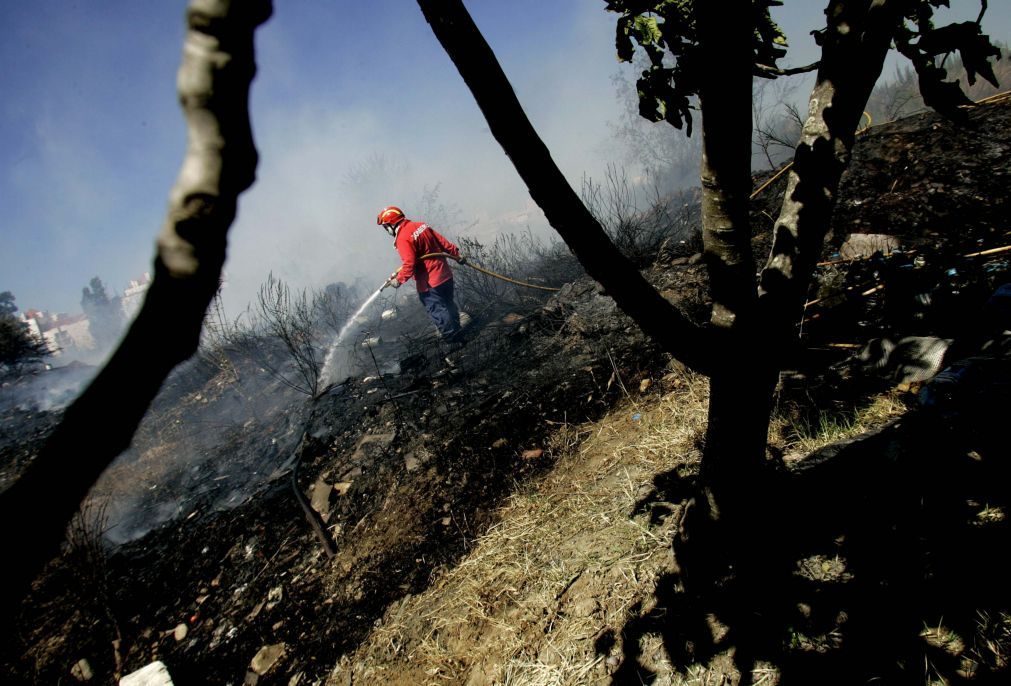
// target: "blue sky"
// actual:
[[355, 106]]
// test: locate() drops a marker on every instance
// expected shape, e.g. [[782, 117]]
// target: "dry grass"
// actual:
[[575, 557], [566, 563], [802, 438]]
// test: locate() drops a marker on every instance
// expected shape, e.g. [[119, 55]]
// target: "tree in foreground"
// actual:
[[220, 163], [703, 57]]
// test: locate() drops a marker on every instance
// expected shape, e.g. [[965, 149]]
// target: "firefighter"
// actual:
[[432, 275]]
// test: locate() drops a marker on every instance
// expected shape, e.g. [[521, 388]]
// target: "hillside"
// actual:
[[513, 518]]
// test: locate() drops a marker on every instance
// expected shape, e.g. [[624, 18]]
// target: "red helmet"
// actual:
[[389, 218]]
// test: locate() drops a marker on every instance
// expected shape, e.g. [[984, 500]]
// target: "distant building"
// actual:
[[133, 296], [65, 334], [33, 326], [70, 335]]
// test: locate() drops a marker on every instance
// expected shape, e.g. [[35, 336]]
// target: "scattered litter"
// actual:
[[154, 674], [637, 416]]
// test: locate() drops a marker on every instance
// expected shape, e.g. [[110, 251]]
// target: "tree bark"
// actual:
[[213, 82], [566, 213], [857, 39], [725, 33], [742, 380]]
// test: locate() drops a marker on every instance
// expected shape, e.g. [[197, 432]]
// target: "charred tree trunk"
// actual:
[[214, 78], [566, 213]]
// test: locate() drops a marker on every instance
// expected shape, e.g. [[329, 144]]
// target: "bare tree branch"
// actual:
[[214, 78], [769, 72]]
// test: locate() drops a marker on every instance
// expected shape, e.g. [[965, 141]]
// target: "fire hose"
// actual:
[[468, 263]]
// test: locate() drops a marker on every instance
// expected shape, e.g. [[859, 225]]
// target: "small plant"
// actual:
[[641, 235]]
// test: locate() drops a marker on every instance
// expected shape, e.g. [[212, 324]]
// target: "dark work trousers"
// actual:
[[438, 301]]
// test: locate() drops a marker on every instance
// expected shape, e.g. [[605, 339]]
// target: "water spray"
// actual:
[[331, 353]]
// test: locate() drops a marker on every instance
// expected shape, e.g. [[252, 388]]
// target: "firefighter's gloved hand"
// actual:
[[393, 283], [461, 260]]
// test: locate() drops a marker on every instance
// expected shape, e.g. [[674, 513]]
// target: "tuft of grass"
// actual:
[[991, 640], [804, 436]]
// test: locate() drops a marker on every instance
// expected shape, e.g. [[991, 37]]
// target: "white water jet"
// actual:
[[331, 354]]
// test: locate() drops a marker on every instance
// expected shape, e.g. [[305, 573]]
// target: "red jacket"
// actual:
[[415, 239]]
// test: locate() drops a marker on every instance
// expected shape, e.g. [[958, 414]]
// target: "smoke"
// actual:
[[209, 442], [330, 160], [46, 390]]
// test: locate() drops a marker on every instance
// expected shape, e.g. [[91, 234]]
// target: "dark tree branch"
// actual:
[[214, 78], [566, 213], [769, 72]]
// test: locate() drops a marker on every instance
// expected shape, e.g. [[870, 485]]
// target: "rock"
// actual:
[[267, 658], [321, 491], [411, 463], [255, 611], [644, 385], [371, 442], [274, 596], [500, 443], [82, 670], [342, 487], [859, 245], [909, 360], [154, 674], [179, 633], [532, 454]]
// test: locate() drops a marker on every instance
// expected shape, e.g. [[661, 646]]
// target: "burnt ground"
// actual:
[[411, 470]]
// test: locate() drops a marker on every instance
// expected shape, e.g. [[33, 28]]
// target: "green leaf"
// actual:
[[647, 31]]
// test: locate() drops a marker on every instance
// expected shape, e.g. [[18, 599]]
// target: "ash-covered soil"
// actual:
[[408, 470]]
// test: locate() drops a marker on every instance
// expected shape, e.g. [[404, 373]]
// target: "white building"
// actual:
[[133, 296], [71, 335]]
